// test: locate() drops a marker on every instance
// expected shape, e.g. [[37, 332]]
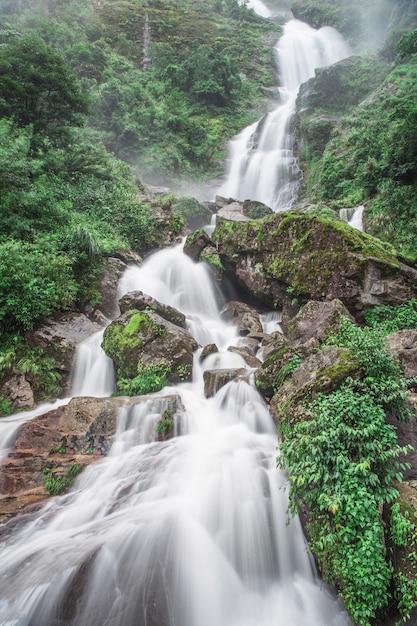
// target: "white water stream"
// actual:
[[188, 532], [261, 163]]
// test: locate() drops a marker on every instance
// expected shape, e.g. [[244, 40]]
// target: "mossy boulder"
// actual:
[[138, 339], [287, 259], [321, 372], [142, 302]]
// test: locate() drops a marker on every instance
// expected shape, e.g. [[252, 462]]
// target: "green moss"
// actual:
[[123, 344]]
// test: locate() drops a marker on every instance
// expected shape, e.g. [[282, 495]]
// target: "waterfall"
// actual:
[[186, 532], [261, 163], [92, 375]]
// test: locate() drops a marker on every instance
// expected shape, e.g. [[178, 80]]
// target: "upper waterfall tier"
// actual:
[[262, 165]]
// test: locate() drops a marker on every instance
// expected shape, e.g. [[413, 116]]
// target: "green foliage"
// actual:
[[372, 158], [407, 44], [286, 371], [151, 377], [38, 88], [34, 281], [390, 319], [166, 424], [343, 461], [403, 534], [41, 371], [56, 484]]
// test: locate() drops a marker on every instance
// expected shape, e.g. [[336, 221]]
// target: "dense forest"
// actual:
[[100, 99]]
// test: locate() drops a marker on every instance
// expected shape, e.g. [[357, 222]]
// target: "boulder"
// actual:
[[245, 317], [321, 372], [141, 302], [247, 355], [113, 270], [216, 379], [232, 212], [140, 338], [317, 320], [403, 346], [18, 391], [210, 348], [289, 258], [195, 244]]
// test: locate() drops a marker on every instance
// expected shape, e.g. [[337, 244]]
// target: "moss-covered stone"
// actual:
[[289, 258], [138, 340], [321, 372]]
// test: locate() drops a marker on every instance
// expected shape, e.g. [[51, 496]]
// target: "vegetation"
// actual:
[[151, 377], [55, 483], [343, 462]]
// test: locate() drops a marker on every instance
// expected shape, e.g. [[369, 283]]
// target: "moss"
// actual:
[[123, 343], [212, 257]]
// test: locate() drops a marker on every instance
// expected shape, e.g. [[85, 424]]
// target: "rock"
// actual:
[[271, 344], [114, 268], [245, 317], [78, 433], [317, 320], [255, 210], [18, 392], [195, 244], [143, 338], [321, 372], [232, 212], [216, 379], [210, 348], [403, 346], [141, 302], [247, 355], [289, 258], [59, 337]]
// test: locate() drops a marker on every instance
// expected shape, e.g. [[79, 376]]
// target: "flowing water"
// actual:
[[191, 531], [262, 165], [92, 375], [186, 532]]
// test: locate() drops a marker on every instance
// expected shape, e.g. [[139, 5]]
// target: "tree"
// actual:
[[38, 88]]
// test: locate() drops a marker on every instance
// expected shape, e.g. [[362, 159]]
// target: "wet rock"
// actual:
[[18, 392], [255, 210], [232, 212], [138, 339], [195, 244], [76, 434], [216, 379], [245, 317], [403, 346], [247, 355], [287, 259], [141, 302], [211, 348]]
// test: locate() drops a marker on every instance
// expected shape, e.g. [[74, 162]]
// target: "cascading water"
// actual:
[[92, 375], [262, 165], [186, 532]]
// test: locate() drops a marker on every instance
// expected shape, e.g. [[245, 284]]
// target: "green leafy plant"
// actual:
[[343, 463], [57, 484], [152, 377], [166, 424]]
